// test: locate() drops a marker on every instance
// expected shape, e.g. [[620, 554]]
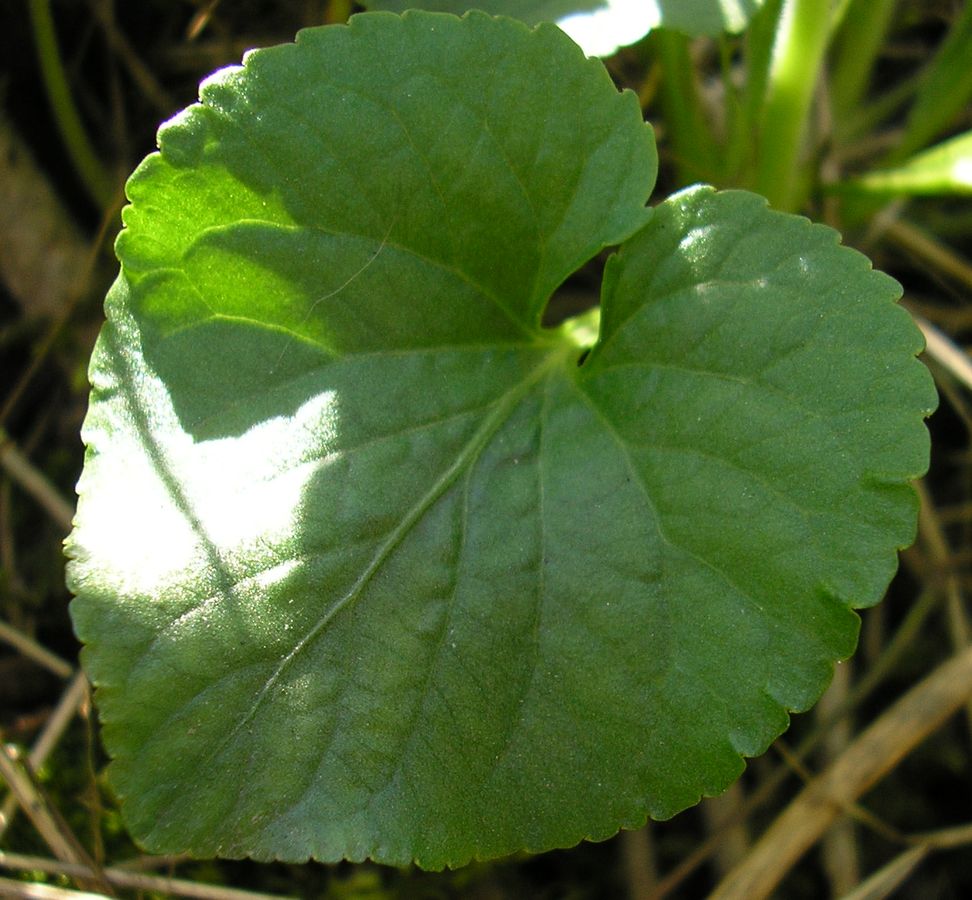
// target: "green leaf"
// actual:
[[366, 563], [945, 169], [601, 27]]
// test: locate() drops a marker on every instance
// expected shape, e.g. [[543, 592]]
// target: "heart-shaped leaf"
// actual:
[[368, 562]]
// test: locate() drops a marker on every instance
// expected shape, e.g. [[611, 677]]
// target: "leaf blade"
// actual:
[[438, 598]]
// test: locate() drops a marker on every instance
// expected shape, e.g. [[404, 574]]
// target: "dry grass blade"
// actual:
[[724, 822], [132, 880], [933, 534], [930, 250], [944, 351], [871, 756], [28, 647], [840, 854], [141, 74], [71, 700], [640, 867], [51, 827], [10, 888], [946, 838], [19, 468], [890, 877]]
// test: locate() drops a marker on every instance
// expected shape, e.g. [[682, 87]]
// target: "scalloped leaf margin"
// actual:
[[369, 563]]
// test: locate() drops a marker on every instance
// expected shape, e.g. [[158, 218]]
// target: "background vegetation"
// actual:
[[85, 83]]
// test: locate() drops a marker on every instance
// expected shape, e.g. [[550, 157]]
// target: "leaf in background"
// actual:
[[601, 27], [944, 89], [945, 169], [366, 563]]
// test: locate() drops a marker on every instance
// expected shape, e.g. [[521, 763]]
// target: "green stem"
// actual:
[[758, 44], [757, 52], [96, 179], [839, 12], [864, 27], [582, 331], [801, 40], [737, 135], [692, 141], [338, 11]]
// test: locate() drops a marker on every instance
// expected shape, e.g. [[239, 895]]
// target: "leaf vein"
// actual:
[[502, 409]]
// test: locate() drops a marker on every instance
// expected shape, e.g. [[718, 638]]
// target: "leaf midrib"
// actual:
[[502, 410]]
